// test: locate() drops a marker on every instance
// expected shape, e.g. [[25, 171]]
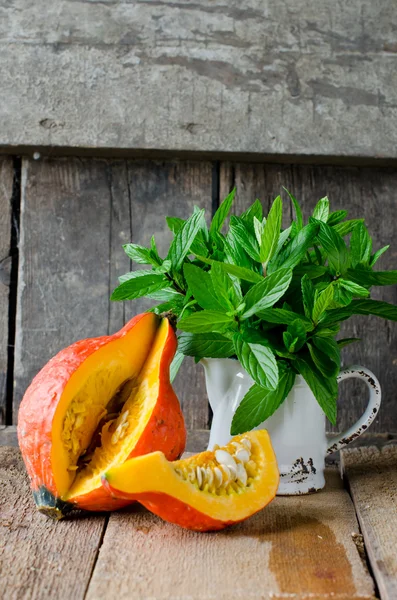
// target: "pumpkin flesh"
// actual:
[[174, 492]]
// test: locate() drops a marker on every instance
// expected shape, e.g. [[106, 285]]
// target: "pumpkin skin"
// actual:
[[92, 369], [169, 490]]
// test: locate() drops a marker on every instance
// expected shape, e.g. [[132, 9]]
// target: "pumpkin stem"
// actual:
[[51, 506]]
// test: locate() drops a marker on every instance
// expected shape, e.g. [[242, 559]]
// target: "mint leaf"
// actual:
[[283, 317], [205, 321], [139, 286], [295, 336], [336, 217], [298, 212], [224, 288], [222, 212], [330, 348], [312, 271], [271, 232], [360, 245], [323, 363], [364, 277], [346, 227], [266, 293], [295, 250], [321, 210], [323, 302], [324, 389], [354, 288], [259, 362], [240, 272], [206, 345], [176, 365], [335, 247], [201, 287], [259, 404], [244, 237], [255, 210], [376, 308], [175, 223], [180, 245], [140, 255], [342, 296], [308, 295], [375, 257]]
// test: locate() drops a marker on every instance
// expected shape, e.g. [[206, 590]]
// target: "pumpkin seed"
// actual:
[[224, 458], [242, 455]]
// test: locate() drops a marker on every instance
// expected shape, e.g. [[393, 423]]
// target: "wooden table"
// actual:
[[333, 545]]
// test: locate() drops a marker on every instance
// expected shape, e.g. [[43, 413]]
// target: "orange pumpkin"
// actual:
[[205, 492], [94, 405]]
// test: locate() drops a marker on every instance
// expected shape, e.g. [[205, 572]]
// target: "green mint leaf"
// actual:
[[336, 217], [222, 212], [176, 365], [259, 404], [375, 257], [175, 223], [346, 341], [342, 296], [330, 348], [153, 249], [321, 210], [271, 231], [295, 250], [201, 288], [267, 292], [224, 288], [206, 345], [323, 363], [180, 245], [255, 210], [335, 247], [295, 336], [354, 288], [258, 228], [312, 271], [165, 267], [323, 302], [283, 316], [324, 389], [284, 235], [308, 295], [360, 245], [139, 254], [367, 278], [259, 362], [244, 237], [346, 227], [374, 307], [298, 212], [330, 331], [240, 272], [206, 321], [139, 286]]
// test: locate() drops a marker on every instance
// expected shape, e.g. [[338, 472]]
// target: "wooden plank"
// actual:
[[204, 76], [6, 180], [63, 285], [368, 193], [40, 559], [371, 474], [295, 548], [75, 216], [158, 189]]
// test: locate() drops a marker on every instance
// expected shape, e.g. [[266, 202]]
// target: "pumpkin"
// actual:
[[205, 492], [94, 405]]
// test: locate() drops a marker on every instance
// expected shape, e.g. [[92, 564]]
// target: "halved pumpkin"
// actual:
[[95, 404], [205, 492]]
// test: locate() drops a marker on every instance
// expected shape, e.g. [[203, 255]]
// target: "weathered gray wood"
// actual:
[[293, 548], [296, 78], [6, 180], [75, 216], [368, 193], [371, 474], [158, 189], [40, 559]]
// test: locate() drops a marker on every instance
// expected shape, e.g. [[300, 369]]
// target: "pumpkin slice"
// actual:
[[205, 492], [95, 404]]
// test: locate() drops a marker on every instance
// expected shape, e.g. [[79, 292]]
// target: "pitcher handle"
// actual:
[[343, 439]]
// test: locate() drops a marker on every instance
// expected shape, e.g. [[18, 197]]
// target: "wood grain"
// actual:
[[298, 547], [75, 216], [371, 474], [296, 78], [6, 181], [40, 559], [368, 193]]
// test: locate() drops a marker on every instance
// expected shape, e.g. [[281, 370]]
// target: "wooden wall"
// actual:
[[76, 213]]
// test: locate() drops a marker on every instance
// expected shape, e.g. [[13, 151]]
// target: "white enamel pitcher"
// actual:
[[297, 428]]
